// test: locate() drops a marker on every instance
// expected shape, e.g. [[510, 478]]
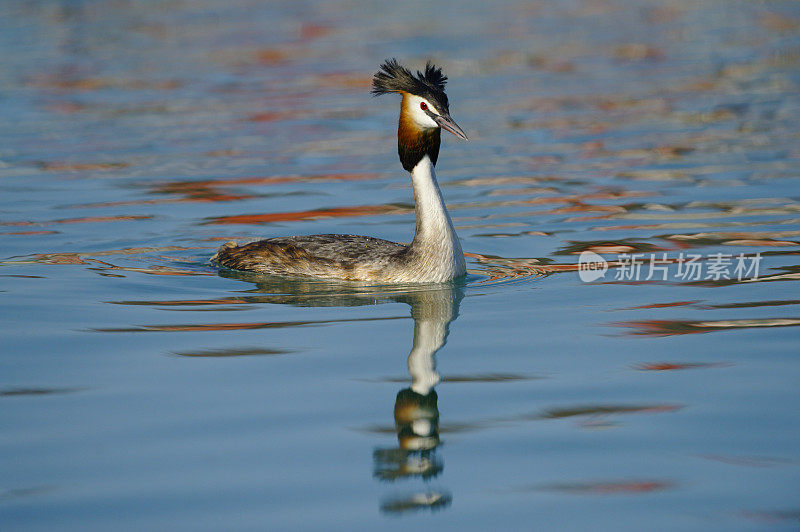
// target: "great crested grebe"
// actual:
[[435, 253]]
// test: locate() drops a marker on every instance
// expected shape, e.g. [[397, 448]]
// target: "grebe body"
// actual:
[[433, 256]]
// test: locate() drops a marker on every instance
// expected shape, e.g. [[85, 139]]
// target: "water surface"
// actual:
[[141, 388]]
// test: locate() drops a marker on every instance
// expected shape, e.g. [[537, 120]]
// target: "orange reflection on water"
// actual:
[[499, 269], [85, 219], [672, 366], [60, 166], [68, 80], [315, 214], [205, 327], [664, 305], [28, 233], [603, 410], [223, 353], [214, 190], [187, 302], [676, 327], [725, 236], [153, 270], [78, 257], [612, 487]]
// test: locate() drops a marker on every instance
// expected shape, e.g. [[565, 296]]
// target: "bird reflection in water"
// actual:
[[416, 411]]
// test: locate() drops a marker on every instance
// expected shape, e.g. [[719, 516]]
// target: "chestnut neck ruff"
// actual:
[[414, 143]]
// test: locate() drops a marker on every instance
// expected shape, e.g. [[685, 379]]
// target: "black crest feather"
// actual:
[[393, 77]]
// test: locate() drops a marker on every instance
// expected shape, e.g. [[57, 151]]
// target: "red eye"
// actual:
[[423, 106]]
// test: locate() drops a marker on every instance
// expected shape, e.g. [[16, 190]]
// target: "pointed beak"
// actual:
[[445, 122]]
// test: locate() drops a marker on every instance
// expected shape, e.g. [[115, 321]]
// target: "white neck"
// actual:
[[432, 312], [429, 336], [435, 241]]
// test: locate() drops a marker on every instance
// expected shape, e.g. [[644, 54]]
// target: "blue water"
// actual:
[[143, 389]]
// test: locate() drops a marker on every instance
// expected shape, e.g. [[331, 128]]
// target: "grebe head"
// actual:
[[424, 111], [425, 104]]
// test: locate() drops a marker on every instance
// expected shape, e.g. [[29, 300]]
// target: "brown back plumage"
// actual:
[[255, 255]]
